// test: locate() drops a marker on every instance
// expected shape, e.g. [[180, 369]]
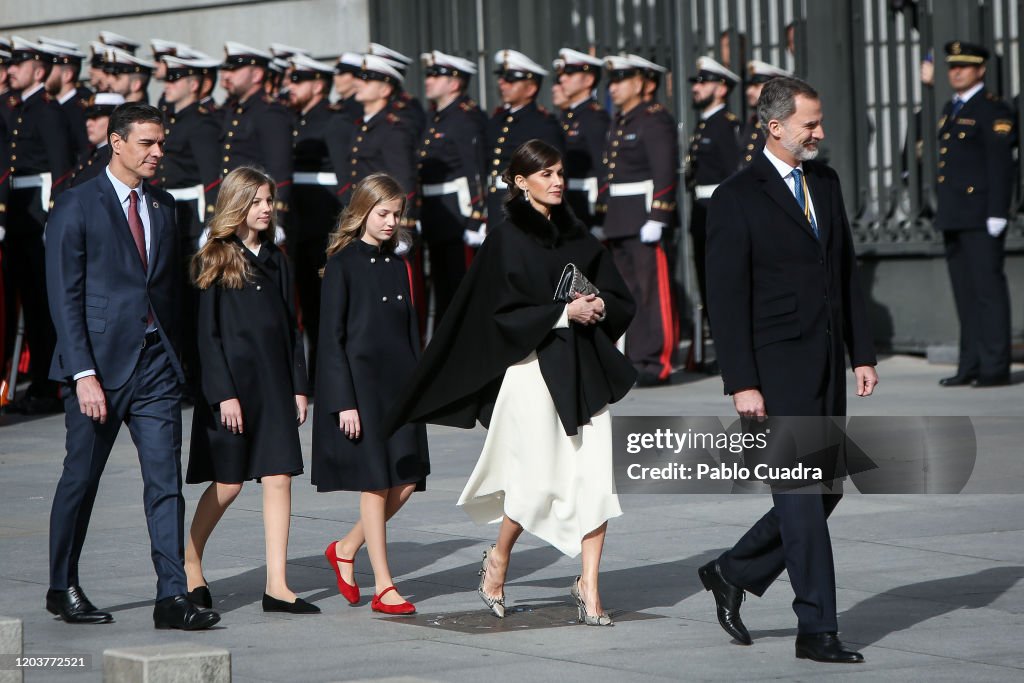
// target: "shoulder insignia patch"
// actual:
[[654, 108], [393, 118], [732, 117], [1002, 126]]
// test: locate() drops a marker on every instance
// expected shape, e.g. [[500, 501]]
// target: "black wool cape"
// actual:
[[504, 309]]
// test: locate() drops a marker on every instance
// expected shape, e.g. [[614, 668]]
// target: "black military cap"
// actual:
[[959, 53]]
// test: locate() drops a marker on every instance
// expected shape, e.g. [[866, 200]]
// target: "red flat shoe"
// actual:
[[350, 591], [401, 608]]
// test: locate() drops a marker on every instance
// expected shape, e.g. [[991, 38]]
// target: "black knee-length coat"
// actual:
[[249, 349], [367, 350]]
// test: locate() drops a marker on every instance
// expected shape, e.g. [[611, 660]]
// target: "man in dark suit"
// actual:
[[784, 300], [114, 282], [974, 188]]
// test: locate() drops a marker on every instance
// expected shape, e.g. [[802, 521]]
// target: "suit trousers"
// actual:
[[652, 335], [975, 261], [150, 404], [699, 237], [794, 536]]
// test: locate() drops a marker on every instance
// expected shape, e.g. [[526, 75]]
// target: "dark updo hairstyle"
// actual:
[[530, 157]]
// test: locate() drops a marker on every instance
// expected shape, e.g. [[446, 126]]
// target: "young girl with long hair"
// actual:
[[254, 382], [368, 347]]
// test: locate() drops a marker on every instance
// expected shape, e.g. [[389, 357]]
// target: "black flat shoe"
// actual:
[[200, 597], [957, 380], [300, 606], [727, 601], [73, 607], [996, 381], [825, 647], [177, 612]]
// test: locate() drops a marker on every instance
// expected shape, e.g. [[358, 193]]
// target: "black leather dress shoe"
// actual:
[[957, 380], [825, 647], [73, 607], [200, 597], [300, 606], [177, 612], [727, 600], [996, 381]]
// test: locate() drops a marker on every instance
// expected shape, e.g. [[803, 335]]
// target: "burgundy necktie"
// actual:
[[135, 225]]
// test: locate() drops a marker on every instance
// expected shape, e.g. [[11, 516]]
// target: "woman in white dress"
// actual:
[[539, 373]]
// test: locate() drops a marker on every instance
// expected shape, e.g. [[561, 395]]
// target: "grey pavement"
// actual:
[[929, 586]]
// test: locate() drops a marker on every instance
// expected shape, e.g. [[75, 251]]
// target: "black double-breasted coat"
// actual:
[[248, 350], [368, 348]]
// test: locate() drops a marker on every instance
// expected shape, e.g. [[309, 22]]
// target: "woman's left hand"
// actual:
[[301, 405], [586, 310]]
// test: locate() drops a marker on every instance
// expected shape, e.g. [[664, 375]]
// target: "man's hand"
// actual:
[[301, 405], [867, 379], [586, 310], [348, 422], [231, 415], [749, 403], [91, 399]]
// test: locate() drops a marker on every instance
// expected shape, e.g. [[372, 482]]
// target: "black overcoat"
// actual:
[[249, 350], [783, 304], [367, 349], [504, 309]]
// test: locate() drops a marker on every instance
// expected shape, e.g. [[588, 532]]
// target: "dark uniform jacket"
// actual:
[[74, 112], [190, 153], [642, 146], [585, 130], [714, 153], [257, 132], [751, 140], [975, 175], [452, 148], [349, 109], [90, 165], [505, 131], [322, 141], [384, 143], [410, 110], [784, 304]]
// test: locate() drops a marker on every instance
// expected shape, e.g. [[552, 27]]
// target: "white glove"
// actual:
[[278, 235], [995, 226], [204, 237], [419, 228], [651, 232], [598, 232], [402, 248], [3, 233], [474, 238]]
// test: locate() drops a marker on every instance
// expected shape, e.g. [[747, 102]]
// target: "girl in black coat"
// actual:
[[254, 381], [368, 347]]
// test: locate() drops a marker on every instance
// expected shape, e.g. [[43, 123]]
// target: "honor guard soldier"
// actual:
[[62, 85], [714, 152], [39, 161], [166, 48], [282, 57], [5, 171], [636, 202], [974, 188], [752, 137], [346, 82], [322, 139], [207, 78], [97, 77], [97, 157], [651, 73], [450, 158], [257, 130], [127, 75], [518, 119], [402, 103], [7, 96], [584, 128]]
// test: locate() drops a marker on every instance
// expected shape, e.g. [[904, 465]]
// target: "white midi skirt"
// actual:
[[558, 487]]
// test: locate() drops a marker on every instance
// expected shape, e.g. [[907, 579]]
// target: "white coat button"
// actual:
[[387, 259], [399, 297], [383, 298], [373, 260], [259, 287]]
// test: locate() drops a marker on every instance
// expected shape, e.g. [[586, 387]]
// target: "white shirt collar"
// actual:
[[968, 94], [63, 99], [29, 92], [781, 166], [705, 115], [122, 190]]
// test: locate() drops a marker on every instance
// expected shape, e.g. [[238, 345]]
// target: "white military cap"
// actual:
[[102, 104], [237, 55], [24, 50], [572, 61], [179, 68], [118, 61], [117, 40], [57, 42], [515, 66], [379, 50], [708, 70], [349, 63], [619, 68], [762, 72], [437, 63], [286, 51], [166, 47], [306, 68], [376, 68]]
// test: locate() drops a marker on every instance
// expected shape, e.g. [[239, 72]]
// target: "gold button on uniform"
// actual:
[[970, 189]]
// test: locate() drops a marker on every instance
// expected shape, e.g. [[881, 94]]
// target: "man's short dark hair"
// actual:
[[778, 98], [126, 115]]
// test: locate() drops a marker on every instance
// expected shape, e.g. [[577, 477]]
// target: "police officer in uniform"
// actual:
[[322, 139], [714, 152], [584, 125], [62, 85], [518, 119], [257, 130], [752, 137], [39, 160], [96, 158], [974, 189], [450, 158], [636, 203]]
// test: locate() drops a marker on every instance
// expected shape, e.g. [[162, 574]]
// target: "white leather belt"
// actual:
[[458, 187], [196, 194], [641, 187], [588, 185], [704, 191], [497, 182], [311, 178], [44, 181]]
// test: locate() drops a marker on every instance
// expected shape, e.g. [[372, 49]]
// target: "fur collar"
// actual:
[[562, 227]]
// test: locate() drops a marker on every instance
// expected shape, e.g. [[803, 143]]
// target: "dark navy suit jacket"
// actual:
[[98, 291]]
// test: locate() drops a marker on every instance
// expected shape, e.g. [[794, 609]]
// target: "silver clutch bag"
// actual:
[[573, 282]]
